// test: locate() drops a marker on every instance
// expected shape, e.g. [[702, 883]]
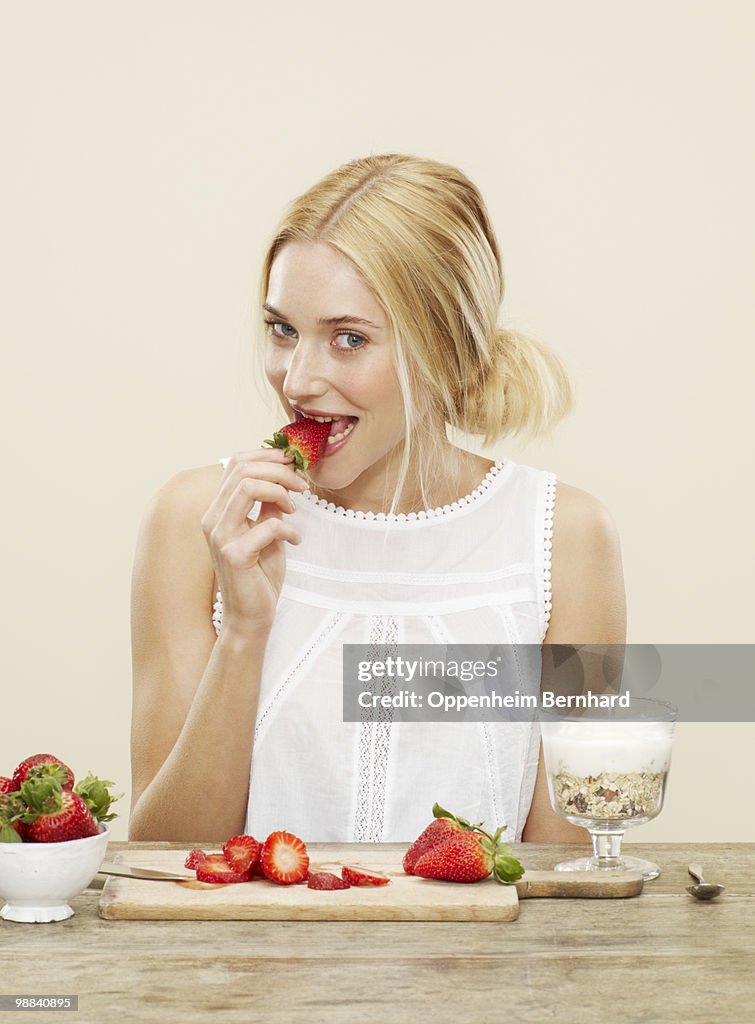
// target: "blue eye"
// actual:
[[348, 334], [363, 342]]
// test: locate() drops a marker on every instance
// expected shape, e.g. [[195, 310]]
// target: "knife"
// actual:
[[108, 868]]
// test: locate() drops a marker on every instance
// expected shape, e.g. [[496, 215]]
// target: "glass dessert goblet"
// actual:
[[607, 771]]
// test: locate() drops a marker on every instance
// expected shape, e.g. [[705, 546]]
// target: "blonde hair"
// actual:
[[418, 233]]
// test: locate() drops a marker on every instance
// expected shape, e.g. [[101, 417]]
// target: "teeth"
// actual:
[[319, 419], [340, 437]]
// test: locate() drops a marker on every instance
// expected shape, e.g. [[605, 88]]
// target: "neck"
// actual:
[[460, 472]]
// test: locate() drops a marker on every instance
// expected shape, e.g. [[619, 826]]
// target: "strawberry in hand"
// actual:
[[305, 439]]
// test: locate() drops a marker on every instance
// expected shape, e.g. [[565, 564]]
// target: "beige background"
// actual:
[[149, 149]]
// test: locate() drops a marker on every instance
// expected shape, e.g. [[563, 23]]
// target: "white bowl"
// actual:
[[37, 879]]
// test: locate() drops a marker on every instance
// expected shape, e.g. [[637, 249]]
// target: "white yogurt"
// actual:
[[589, 748]]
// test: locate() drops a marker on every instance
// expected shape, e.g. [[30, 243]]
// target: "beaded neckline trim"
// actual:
[[408, 517]]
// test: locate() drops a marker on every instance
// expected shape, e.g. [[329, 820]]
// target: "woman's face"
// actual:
[[333, 369]]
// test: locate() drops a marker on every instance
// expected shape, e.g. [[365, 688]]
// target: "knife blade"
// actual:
[[127, 871]]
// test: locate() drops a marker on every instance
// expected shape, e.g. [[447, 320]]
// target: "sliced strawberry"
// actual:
[[356, 875], [284, 859], [43, 766], [195, 858], [305, 439], [326, 880], [242, 853], [215, 868]]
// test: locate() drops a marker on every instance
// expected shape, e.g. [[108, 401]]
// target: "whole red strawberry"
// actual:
[[445, 826], [45, 766], [6, 785], [305, 439], [55, 815], [284, 858], [470, 857]]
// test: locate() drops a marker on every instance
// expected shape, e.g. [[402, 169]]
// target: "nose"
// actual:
[[304, 375]]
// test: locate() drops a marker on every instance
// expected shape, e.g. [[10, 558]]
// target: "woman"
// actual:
[[381, 292]]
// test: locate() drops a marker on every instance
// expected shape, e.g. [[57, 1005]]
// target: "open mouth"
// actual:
[[340, 426]]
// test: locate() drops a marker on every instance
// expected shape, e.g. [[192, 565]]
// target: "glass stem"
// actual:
[[606, 849]]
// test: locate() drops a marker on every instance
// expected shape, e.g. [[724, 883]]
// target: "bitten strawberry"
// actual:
[[445, 826], [326, 880], [215, 868], [194, 859], [43, 766], [305, 439], [55, 815], [470, 857], [284, 858], [355, 875], [242, 853]]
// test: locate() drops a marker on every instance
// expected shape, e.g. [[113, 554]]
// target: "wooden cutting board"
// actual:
[[406, 898]]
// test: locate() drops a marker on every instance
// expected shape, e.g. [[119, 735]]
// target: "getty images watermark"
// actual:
[[515, 682]]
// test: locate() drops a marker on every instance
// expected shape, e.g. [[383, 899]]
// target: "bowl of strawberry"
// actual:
[[53, 837]]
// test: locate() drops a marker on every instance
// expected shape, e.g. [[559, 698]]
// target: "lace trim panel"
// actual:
[[410, 517], [374, 744], [550, 501]]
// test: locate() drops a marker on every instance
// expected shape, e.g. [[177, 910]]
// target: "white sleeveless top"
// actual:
[[476, 571]]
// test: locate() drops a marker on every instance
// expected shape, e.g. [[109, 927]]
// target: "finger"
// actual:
[[235, 516], [270, 471], [245, 551]]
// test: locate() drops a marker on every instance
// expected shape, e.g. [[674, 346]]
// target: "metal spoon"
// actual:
[[703, 890]]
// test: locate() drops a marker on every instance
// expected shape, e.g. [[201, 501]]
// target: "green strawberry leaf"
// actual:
[[95, 794], [507, 869], [9, 835]]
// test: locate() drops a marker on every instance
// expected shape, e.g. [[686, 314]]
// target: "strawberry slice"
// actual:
[[326, 880], [242, 853], [284, 858], [195, 858], [215, 868], [305, 439], [356, 875]]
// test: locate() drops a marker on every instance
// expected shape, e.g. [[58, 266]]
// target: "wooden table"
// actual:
[[658, 957]]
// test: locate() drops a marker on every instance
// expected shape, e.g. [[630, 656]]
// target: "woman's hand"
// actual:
[[249, 555]]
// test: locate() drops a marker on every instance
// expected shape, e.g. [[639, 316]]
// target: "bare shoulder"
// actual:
[[588, 597], [579, 515], [171, 544], [189, 491]]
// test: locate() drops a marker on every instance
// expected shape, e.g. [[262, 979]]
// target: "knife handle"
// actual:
[[579, 884]]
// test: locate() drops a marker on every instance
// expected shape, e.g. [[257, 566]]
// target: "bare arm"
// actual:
[[195, 697], [588, 607]]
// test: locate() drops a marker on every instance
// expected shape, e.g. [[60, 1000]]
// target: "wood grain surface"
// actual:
[[663, 958]]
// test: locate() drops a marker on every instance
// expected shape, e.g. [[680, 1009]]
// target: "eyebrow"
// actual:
[[328, 321]]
